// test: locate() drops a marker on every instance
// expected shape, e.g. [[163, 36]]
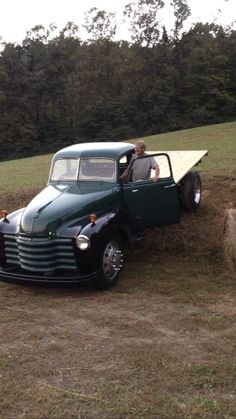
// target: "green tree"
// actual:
[[100, 24], [20, 131], [181, 12], [143, 18], [204, 73]]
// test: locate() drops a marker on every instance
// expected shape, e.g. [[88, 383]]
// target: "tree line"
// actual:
[[56, 90]]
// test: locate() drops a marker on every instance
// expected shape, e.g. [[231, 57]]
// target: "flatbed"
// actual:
[[182, 161]]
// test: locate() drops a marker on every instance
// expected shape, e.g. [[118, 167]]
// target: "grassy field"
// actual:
[[220, 140], [161, 344]]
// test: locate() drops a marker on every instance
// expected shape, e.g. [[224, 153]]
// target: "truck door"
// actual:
[[149, 203]]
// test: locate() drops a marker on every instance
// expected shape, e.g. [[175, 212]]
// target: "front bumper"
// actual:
[[14, 276]]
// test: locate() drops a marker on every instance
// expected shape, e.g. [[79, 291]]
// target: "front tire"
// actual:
[[110, 263], [191, 191]]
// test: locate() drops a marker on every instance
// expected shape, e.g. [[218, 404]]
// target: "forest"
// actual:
[[57, 89]]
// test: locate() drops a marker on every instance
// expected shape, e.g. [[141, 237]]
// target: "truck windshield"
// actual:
[[64, 169], [97, 169], [87, 169]]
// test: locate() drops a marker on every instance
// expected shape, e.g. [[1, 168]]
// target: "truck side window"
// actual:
[[124, 162]]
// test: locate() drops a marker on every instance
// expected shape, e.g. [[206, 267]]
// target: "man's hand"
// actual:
[[155, 178]]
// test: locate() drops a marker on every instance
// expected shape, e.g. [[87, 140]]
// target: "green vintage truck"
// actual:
[[79, 226]]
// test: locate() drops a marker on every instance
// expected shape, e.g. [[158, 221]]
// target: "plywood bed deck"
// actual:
[[181, 161]]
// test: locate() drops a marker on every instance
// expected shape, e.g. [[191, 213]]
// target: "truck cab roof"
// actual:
[[96, 149]]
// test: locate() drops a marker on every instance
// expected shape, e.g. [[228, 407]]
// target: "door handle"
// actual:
[[135, 190], [170, 186]]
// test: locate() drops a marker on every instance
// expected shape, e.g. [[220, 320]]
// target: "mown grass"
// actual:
[[158, 345], [24, 174], [220, 140]]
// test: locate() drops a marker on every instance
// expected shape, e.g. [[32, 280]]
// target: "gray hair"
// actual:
[[141, 144]]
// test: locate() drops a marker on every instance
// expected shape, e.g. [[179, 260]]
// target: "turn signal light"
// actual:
[[93, 218], [4, 214]]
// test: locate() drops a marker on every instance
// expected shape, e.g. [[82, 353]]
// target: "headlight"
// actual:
[[82, 242]]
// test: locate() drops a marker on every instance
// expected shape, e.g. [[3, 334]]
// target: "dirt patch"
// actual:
[[12, 201], [124, 353]]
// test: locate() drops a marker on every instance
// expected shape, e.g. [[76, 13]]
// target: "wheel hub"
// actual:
[[197, 193], [112, 260]]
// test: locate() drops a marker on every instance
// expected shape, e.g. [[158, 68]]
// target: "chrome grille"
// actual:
[[39, 254]]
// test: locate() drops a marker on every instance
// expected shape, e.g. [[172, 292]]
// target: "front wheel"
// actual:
[[110, 263], [191, 191]]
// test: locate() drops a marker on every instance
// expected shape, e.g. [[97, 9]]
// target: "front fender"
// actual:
[[112, 221], [84, 225], [102, 222], [107, 224]]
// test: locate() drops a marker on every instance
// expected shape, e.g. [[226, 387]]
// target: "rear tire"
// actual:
[[191, 191]]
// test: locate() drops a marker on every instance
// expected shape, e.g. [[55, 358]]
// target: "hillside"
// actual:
[[32, 173]]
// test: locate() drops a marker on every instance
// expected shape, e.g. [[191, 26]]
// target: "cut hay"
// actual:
[[230, 240]]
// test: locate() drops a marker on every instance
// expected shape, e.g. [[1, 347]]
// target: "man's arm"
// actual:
[[157, 173], [155, 166], [125, 173]]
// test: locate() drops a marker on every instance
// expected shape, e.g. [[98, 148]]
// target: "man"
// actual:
[[141, 168]]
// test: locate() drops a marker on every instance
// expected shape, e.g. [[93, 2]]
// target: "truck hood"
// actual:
[[59, 206]]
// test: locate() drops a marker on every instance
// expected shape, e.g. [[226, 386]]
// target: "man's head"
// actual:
[[140, 148]]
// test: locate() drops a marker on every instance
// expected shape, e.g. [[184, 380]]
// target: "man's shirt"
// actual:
[[141, 168]]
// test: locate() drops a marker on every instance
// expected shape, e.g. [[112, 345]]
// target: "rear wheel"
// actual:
[[111, 263], [191, 191]]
